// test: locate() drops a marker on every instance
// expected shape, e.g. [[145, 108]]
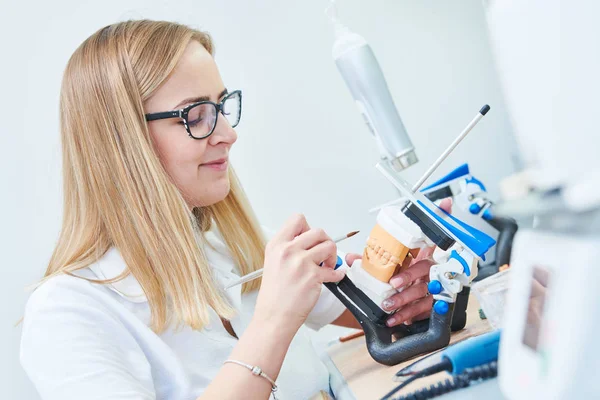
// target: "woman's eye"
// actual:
[[194, 122], [191, 123]]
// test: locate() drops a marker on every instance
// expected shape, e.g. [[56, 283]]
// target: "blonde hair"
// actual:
[[116, 191]]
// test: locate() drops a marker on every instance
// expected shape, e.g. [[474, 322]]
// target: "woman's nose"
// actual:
[[223, 133]]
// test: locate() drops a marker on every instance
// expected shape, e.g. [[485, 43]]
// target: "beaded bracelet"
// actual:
[[258, 372]]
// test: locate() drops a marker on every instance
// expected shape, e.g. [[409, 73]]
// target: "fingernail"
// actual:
[[388, 304], [397, 282], [391, 321], [407, 322]]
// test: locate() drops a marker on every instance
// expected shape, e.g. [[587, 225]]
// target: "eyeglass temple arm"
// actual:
[[163, 115]]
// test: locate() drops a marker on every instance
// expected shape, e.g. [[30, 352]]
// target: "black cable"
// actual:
[[462, 380], [444, 365]]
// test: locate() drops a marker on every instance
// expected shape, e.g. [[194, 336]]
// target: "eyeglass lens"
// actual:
[[202, 118]]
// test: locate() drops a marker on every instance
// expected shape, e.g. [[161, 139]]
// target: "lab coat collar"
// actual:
[[112, 265]]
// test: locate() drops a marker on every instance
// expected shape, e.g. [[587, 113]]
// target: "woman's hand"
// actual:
[[413, 302], [292, 277]]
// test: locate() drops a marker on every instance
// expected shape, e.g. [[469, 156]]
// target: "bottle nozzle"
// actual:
[[331, 12]]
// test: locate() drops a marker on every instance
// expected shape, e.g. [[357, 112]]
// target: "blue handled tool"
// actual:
[[472, 352], [455, 359]]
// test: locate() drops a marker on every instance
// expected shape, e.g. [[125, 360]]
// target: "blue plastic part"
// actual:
[[457, 173], [478, 242], [461, 260], [477, 182], [441, 307], [474, 208], [339, 262], [472, 352], [434, 287], [487, 214]]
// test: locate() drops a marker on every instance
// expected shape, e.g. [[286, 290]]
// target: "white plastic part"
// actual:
[[440, 256], [451, 286], [585, 194], [376, 290], [551, 93], [564, 361], [516, 186], [451, 273], [394, 222], [469, 193], [387, 204]]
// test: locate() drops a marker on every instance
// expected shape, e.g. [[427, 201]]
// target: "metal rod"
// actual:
[[450, 148]]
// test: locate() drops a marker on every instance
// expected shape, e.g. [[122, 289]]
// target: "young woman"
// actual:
[[155, 224]]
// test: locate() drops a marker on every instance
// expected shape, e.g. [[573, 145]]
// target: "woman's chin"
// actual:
[[218, 191]]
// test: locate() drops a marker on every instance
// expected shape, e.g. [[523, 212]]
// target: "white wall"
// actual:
[[302, 145]]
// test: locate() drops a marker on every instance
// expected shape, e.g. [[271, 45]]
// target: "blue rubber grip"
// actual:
[[472, 352]]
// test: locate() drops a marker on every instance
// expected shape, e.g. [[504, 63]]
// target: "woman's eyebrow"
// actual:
[[192, 100]]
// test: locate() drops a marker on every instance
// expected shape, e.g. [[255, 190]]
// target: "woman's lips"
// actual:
[[217, 165]]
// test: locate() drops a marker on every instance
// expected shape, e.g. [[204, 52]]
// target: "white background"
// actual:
[[302, 145]]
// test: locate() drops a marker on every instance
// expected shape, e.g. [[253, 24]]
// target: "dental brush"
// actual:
[[258, 273]]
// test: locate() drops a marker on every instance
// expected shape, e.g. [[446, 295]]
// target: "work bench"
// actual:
[[356, 376]]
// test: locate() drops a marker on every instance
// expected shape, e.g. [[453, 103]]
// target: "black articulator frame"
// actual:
[[391, 346], [507, 229]]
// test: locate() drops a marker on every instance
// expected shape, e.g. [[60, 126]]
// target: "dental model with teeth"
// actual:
[[393, 242]]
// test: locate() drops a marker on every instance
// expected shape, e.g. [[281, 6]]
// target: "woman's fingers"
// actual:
[[410, 311], [310, 238], [319, 245], [324, 252], [416, 271], [293, 227], [424, 254], [446, 205], [419, 317], [351, 257], [407, 296], [331, 275]]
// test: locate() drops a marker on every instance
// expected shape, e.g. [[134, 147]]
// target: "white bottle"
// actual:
[[363, 76]]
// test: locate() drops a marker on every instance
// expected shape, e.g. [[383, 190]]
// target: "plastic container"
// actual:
[[491, 294]]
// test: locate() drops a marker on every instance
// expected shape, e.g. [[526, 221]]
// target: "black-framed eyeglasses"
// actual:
[[200, 119]]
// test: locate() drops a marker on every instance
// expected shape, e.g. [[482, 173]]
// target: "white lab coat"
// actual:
[[82, 340]]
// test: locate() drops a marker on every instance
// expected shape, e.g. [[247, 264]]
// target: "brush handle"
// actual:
[[258, 273], [246, 278]]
